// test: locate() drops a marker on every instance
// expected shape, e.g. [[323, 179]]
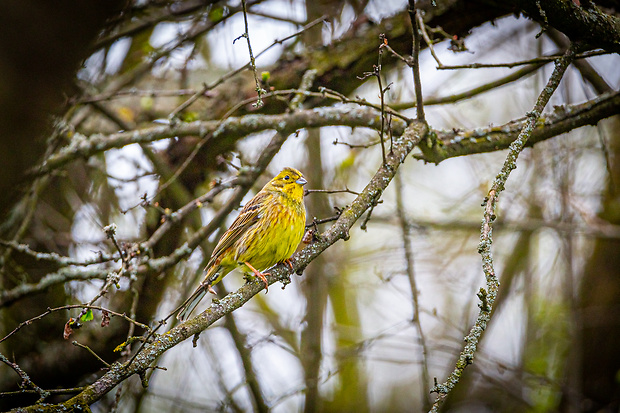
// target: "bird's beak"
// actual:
[[301, 181]]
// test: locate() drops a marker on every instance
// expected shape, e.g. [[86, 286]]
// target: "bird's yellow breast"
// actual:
[[276, 235]]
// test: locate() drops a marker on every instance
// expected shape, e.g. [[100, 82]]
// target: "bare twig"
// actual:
[[415, 61], [427, 39], [541, 59], [246, 34], [25, 378], [474, 91], [376, 72], [50, 391], [57, 258], [330, 191], [70, 307], [90, 350]]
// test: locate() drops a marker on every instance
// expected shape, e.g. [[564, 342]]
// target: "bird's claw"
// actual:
[[208, 287]]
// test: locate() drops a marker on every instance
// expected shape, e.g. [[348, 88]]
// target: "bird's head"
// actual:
[[290, 181]]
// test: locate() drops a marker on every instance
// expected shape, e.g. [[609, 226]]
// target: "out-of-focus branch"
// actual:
[[592, 229], [55, 258], [63, 275], [409, 260], [245, 354], [587, 71], [487, 297], [403, 145], [474, 91]]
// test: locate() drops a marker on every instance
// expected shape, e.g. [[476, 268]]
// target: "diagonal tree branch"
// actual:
[[487, 297], [339, 230]]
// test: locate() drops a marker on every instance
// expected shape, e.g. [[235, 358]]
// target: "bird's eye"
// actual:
[[287, 177]]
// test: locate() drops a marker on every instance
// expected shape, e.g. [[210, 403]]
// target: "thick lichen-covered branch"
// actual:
[[449, 143], [487, 297], [232, 129], [339, 230], [490, 139]]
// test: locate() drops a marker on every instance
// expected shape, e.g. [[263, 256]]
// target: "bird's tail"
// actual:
[[190, 304], [213, 276]]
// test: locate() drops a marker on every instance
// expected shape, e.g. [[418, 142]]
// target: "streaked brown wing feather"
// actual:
[[247, 218]]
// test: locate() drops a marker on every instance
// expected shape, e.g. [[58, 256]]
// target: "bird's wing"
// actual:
[[247, 218]]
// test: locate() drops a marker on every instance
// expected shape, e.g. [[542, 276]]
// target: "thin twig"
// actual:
[[105, 363], [474, 91], [25, 378], [70, 307], [377, 71], [541, 59], [246, 34], [354, 146], [57, 258], [427, 38], [415, 61], [50, 391], [329, 191]]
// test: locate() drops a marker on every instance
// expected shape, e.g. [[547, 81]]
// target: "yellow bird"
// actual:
[[266, 232]]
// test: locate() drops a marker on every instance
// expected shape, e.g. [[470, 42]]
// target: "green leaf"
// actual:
[[88, 316]]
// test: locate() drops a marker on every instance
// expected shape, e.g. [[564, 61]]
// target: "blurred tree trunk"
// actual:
[[42, 45], [314, 285], [600, 299]]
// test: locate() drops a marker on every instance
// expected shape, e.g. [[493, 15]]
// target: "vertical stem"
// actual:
[[246, 34], [409, 258], [573, 397], [245, 354], [377, 73], [415, 62]]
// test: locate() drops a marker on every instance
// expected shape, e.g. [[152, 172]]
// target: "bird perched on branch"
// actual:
[[266, 232]]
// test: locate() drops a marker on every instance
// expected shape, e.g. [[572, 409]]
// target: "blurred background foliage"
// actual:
[[373, 320]]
